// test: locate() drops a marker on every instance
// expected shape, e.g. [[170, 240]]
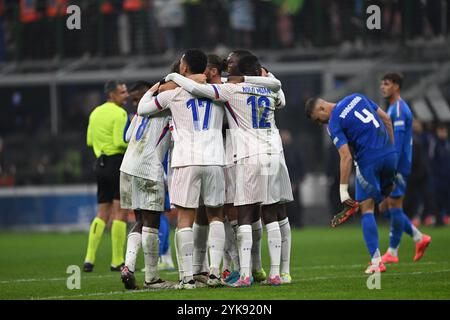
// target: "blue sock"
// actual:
[[164, 233], [370, 232], [407, 225], [397, 226]]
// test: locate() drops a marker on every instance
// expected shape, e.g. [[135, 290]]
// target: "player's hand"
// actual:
[[199, 77], [345, 213], [154, 88], [350, 202], [235, 79]]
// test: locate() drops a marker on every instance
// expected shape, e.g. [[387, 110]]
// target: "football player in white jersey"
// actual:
[[142, 190], [250, 112], [197, 161]]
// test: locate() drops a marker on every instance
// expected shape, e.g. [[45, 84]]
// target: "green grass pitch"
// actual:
[[326, 264]]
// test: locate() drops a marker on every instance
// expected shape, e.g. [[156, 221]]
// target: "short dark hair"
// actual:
[[111, 86], [394, 77], [249, 66], [196, 60], [240, 53], [140, 85], [214, 61], [310, 105], [175, 67]]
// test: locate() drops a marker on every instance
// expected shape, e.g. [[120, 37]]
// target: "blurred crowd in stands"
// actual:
[[140, 27]]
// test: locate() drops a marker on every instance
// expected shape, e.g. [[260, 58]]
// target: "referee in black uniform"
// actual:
[[105, 134]]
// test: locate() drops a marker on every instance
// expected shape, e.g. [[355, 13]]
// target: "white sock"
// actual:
[[200, 234], [244, 238], [256, 248], [376, 259], [417, 235], [185, 243], [226, 249], [231, 241], [393, 251], [133, 245], [216, 242], [167, 257], [274, 241], [177, 255], [150, 246], [285, 229]]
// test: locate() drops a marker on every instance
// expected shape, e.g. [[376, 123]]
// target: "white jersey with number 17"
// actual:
[[197, 127]]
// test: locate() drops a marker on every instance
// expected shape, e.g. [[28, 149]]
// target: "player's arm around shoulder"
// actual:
[[269, 82], [151, 104], [198, 89]]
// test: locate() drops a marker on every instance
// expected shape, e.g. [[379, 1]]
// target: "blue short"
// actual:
[[374, 180], [400, 186], [167, 202]]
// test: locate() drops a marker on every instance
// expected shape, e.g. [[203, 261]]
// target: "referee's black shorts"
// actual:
[[107, 171]]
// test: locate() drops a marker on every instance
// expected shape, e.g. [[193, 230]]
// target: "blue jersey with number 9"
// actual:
[[354, 121]]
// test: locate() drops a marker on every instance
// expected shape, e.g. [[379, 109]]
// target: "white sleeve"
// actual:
[[268, 82], [150, 105], [131, 128], [280, 101], [197, 89]]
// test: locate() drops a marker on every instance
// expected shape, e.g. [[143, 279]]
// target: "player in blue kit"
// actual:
[[402, 119], [357, 123]]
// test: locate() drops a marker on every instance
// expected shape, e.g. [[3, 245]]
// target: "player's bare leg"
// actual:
[[216, 241], [270, 217], [285, 229], [185, 247], [370, 233], [118, 235], [200, 230], [95, 234]]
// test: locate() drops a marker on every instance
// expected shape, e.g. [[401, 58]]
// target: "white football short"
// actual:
[[139, 193], [262, 179], [230, 183], [190, 183]]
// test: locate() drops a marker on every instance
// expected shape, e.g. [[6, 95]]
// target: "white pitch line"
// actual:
[[356, 266], [49, 279], [113, 293], [366, 275]]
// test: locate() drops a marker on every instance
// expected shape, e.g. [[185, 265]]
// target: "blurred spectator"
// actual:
[[54, 28], [242, 22], [108, 27], [287, 11], [440, 171], [171, 18], [2, 32], [294, 163], [418, 197], [32, 28]]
